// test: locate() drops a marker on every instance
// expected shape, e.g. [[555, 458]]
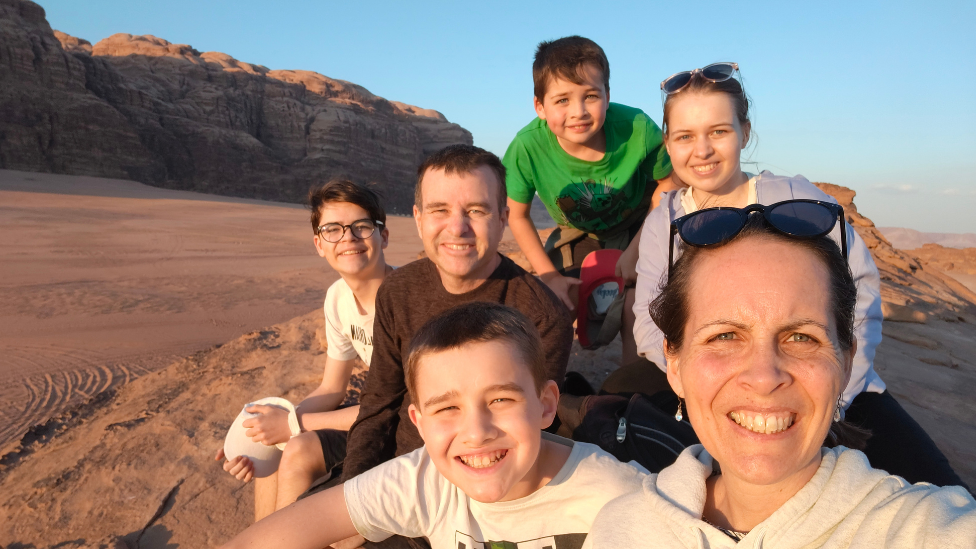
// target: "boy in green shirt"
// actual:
[[598, 167]]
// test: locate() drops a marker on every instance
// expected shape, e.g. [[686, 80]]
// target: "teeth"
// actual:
[[483, 460], [458, 246], [703, 169], [764, 424], [352, 252]]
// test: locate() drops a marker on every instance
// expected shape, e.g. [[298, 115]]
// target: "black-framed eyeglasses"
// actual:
[[362, 228], [799, 218], [716, 72]]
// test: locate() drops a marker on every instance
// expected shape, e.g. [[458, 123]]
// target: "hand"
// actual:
[[565, 288], [354, 542], [240, 467], [269, 428], [627, 265]]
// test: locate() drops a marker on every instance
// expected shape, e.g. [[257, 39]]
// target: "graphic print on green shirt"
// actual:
[[596, 197]]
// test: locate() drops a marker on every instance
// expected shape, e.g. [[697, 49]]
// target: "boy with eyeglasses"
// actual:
[[348, 222], [598, 167]]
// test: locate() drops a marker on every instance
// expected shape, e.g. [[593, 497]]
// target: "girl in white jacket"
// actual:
[[706, 125]]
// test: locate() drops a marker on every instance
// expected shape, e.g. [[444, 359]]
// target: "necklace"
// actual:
[[736, 535]]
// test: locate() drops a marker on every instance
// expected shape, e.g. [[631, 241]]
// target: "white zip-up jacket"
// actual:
[[845, 504], [652, 269]]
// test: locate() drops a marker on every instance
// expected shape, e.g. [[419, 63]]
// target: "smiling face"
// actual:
[[482, 423], [704, 141], [760, 369], [351, 256], [461, 225], [575, 113]]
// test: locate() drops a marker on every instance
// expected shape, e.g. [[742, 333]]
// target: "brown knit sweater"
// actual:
[[408, 298]]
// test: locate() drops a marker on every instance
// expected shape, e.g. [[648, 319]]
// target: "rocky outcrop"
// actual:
[[910, 292], [139, 107]]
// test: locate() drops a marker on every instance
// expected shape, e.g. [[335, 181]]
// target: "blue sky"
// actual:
[[876, 96]]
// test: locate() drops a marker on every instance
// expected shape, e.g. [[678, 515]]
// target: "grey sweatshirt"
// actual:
[[845, 504]]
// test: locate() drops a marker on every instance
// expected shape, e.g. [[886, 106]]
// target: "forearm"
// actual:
[[527, 237], [340, 420], [311, 523]]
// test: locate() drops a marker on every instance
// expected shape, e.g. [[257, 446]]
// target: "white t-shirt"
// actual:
[[688, 201], [407, 496], [348, 332]]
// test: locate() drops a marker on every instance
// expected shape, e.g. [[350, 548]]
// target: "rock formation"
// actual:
[[139, 107]]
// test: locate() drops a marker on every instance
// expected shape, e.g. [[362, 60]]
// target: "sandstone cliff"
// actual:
[[139, 107]]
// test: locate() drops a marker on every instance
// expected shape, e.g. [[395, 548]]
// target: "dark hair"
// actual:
[[459, 159], [670, 308], [564, 58], [698, 83], [477, 322], [343, 190]]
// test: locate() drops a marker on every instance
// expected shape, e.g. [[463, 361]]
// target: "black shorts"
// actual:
[[333, 447]]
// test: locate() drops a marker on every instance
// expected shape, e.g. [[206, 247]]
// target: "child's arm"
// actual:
[[318, 410], [627, 265], [312, 523], [527, 237]]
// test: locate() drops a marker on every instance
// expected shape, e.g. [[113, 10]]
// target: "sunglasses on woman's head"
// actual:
[[797, 218], [716, 72]]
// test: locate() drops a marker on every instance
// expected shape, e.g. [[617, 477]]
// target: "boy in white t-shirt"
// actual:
[[486, 476], [348, 222]]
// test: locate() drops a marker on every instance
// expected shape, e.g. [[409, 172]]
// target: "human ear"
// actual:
[[319, 245], [746, 133], [540, 110], [549, 396], [674, 377], [415, 416], [385, 238], [416, 219]]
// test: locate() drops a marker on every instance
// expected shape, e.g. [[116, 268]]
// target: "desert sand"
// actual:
[[106, 280], [133, 466]]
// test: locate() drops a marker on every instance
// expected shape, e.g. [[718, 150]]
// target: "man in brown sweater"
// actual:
[[460, 210]]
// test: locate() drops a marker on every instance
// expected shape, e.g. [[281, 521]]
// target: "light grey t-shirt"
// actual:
[[407, 496]]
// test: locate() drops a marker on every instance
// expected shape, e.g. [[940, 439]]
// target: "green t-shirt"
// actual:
[[596, 197]]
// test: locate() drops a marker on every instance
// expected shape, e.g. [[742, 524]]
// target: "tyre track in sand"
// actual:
[[39, 382]]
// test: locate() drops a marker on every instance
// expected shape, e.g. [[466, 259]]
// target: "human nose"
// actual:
[[764, 370], [703, 148], [577, 109], [458, 223], [347, 235], [478, 427]]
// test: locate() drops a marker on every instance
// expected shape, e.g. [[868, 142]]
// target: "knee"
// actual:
[[302, 453]]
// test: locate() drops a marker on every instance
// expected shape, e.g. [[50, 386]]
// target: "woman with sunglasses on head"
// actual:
[[706, 127], [759, 329]]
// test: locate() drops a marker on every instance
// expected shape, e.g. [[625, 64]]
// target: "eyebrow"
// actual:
[[485, 205], [789, 327], [501, 387], [434, 401]]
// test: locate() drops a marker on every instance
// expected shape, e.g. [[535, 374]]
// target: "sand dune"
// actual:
[[103, 281]]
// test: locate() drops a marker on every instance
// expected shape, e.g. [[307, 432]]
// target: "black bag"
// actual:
[[641, 428]]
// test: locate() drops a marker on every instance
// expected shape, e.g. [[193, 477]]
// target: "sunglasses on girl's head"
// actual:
[[797, 218], [716, 72]]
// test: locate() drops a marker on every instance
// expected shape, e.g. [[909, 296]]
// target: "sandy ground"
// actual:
[[102, 281]]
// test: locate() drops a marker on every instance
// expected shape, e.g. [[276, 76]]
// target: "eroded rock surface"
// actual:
[[139, 107]]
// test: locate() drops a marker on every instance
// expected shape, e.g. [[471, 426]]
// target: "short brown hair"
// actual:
[[565, 58], [477, 322], [456, 159], [343, 190]]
